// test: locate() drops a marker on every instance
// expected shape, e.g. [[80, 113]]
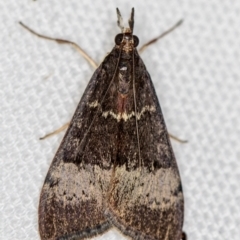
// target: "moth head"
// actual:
[[126, 39]]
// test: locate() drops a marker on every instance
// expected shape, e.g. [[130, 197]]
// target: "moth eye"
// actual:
[[135, 40], [118, 39]]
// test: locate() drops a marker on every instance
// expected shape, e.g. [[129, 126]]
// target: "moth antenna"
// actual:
[[131, 20], [120, 20]]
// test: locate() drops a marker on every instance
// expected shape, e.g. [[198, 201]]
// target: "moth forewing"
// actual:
[[115, 165]]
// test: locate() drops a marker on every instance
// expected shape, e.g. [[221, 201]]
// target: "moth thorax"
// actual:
[[128, 43], [124, 79]]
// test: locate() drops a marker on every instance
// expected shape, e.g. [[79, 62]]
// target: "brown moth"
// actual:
[[115, 166]]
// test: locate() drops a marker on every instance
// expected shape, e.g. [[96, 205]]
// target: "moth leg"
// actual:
[[62, 41], [55, 132], [184, 236], [161, 36], [153, 41], [177, 139]]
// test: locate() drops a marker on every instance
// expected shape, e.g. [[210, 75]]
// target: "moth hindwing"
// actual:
[[115, 166]]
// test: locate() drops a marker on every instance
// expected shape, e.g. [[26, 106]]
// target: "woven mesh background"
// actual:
[[196, 73]]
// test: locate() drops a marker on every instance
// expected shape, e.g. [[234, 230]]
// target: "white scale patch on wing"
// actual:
[[124, 116]]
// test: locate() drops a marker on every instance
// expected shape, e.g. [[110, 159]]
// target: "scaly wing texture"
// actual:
[[145, 198], [72, 198], [97, 178]]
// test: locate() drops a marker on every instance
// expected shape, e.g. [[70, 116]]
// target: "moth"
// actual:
[[115, 166]]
